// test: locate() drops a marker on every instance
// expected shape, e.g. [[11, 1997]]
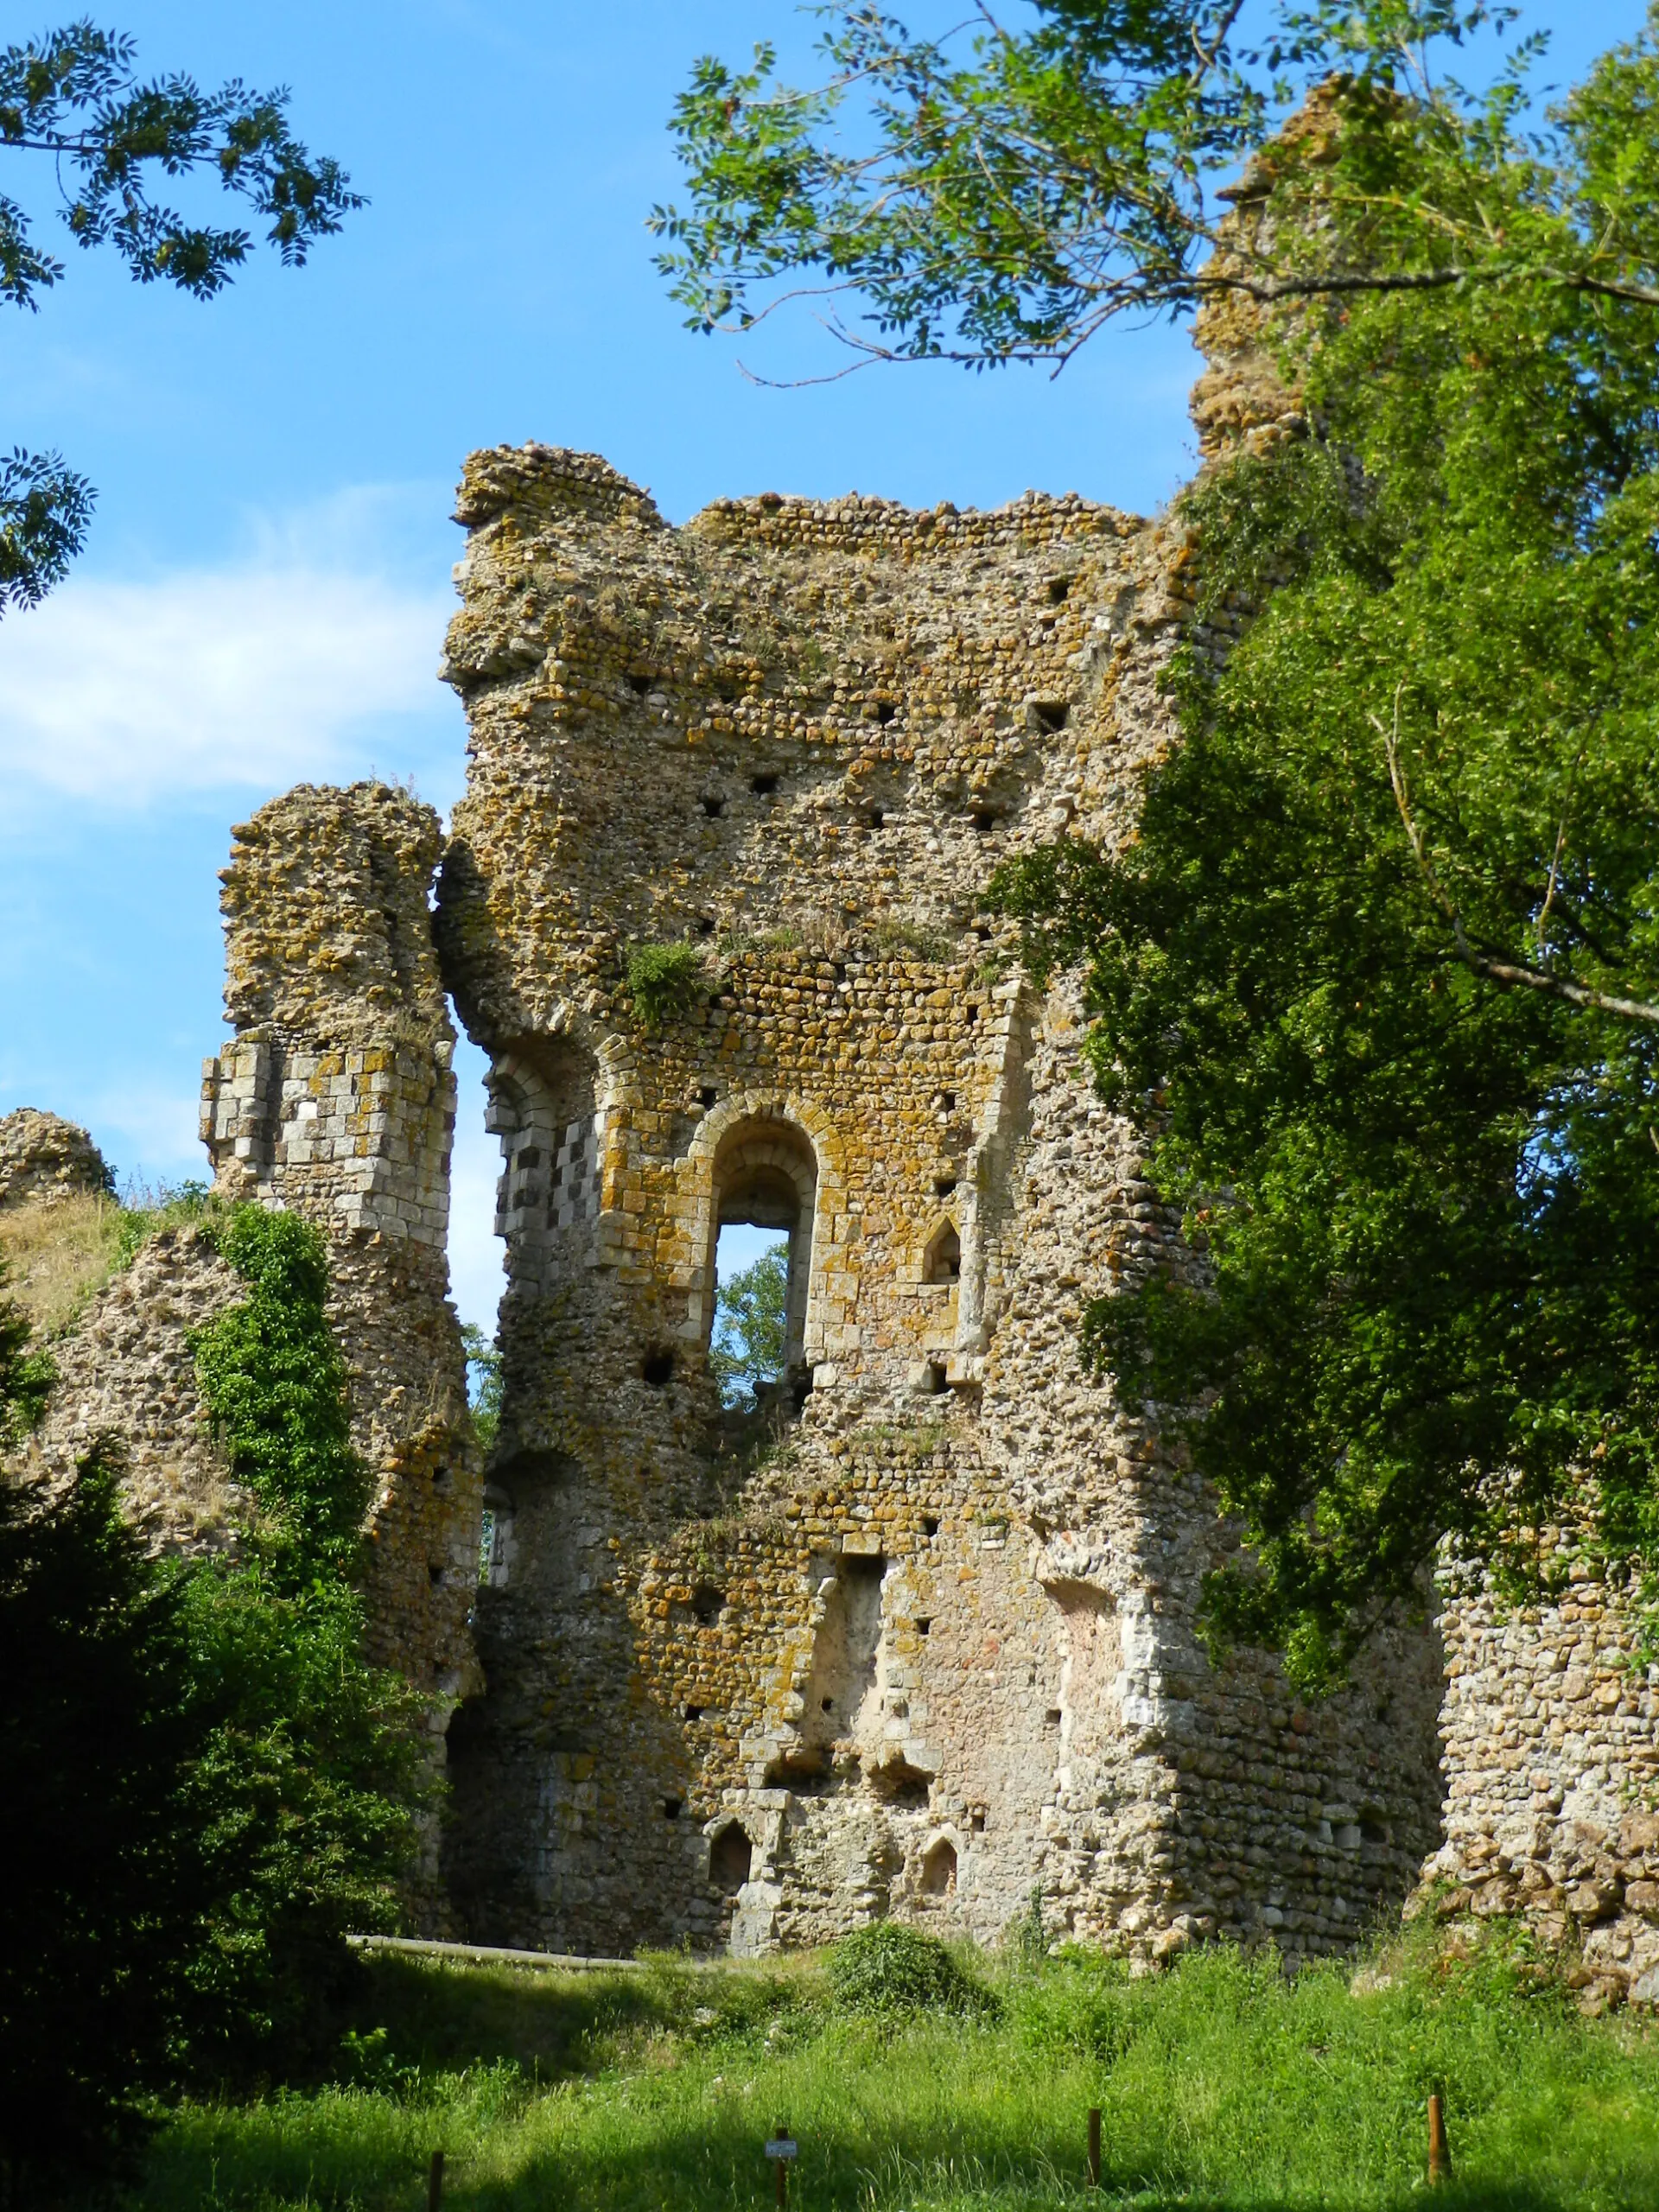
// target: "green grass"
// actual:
[[1221, 2084]]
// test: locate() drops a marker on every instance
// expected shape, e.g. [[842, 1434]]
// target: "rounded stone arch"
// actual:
[[731, 1857], [941, 1254], [769, 1158]]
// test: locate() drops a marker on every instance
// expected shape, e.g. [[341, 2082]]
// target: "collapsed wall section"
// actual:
[[920, 1640], [335, 1098]]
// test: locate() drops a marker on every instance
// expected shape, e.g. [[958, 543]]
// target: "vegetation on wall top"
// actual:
[[665, 981]]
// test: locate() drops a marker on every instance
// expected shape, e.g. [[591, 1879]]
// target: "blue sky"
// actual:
[[265, 590]]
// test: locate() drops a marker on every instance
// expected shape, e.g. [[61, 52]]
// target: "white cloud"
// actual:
[[284, 664]]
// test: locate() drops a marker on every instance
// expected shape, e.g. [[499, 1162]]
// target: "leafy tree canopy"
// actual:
[[1001, 193], [209, 1786], [1382, 966], [107, 136], [107, 1870], [749, 1338], [486, 1384]]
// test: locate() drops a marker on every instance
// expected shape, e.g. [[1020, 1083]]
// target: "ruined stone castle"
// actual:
[[919, 1640]]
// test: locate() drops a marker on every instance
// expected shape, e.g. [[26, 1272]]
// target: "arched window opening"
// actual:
[[766, 1176], [939, 1869], [495, 1539], [942, 1261], [730, 1859]]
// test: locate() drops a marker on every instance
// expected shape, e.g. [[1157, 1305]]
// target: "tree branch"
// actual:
[[1497, 971]]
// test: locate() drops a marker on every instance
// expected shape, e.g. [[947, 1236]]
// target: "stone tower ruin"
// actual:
[[925, 1646], [918, 1638]]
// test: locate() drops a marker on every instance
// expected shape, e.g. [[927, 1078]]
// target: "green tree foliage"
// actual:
[[73, 98], [750, 1318], [1001, 194], [108, 1870], [1383, 961], [208, 1785], [310, 1779], [26, 1377], [484, 1383], [304, 1792]]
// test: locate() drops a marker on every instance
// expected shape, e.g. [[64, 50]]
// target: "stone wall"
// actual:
[[44, 1159], [335, 1098], [930, 1647], [1551, 1755], [126, 1368]]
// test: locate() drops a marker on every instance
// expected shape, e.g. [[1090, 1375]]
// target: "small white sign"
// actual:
[[783, 2146]]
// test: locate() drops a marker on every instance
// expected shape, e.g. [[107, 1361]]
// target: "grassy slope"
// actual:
[[1221, 2085], [56, 1256]]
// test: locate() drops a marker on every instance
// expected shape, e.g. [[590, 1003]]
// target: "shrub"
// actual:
[[664, 980], [887, 1971], [108, 1868]]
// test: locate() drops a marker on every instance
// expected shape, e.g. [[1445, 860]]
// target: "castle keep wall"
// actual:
[[933, 1648]]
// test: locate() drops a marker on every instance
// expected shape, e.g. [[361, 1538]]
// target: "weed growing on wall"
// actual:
[[665, 981]]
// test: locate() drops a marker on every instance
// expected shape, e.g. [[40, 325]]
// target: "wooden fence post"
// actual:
[[434, 2182], [1440, 2157]]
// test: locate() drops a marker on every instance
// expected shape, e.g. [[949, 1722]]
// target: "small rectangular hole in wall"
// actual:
[[930, 1524], [976, 1820], [707, 1603], [704, 926], [1052, 714], [763, 786], [935, 1378], [708, 1096], [671, 1807], [983, 820], [1053, 1716], [924, 1628], [885, 711], [435, 1575], [944, 1186], [874, 817], [640, 685], [947, 1101], [1058, 589], [694, 1712], [714, 807]]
